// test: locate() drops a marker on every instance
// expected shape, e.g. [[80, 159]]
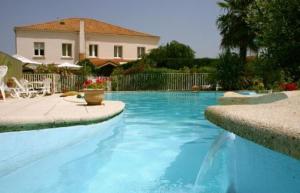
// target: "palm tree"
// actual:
[[236, 33]]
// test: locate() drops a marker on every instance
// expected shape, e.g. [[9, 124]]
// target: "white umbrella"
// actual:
[[68, 65], [27, 62]]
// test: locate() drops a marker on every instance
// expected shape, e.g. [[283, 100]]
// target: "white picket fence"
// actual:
[[161, 81], [60, 83], [142, 81]]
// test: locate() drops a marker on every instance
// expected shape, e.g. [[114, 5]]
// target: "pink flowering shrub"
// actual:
[[289, 86], [98, 83]]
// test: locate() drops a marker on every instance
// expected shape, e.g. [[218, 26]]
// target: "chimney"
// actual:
[[81, 40]]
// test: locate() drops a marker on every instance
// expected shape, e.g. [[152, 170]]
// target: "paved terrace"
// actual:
[[275, 125], [53, 111]]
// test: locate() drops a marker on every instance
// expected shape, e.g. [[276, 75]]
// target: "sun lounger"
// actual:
[[43, 87], [23, 89]]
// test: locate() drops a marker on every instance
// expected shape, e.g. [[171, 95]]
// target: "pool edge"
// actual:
[[52, 123]]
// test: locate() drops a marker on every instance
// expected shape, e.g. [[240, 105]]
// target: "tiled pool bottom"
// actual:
[[157, 144]]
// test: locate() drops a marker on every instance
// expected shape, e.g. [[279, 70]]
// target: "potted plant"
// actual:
[[94, 91]]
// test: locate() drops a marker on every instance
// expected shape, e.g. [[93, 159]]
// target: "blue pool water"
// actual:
[[161, 143]]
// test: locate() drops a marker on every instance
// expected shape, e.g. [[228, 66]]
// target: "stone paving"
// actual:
[[275, 125], [53, 111]]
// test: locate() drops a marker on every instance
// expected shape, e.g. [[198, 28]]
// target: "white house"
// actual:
[[74, 39]]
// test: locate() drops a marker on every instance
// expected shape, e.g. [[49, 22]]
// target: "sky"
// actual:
[[192, 22]]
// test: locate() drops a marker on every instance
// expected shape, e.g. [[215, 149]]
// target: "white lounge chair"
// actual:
[[22, 89], [47, 86], [43, 87], [3, 72]]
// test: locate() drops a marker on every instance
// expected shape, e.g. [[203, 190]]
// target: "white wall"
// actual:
[[106, 45], [53, 45]]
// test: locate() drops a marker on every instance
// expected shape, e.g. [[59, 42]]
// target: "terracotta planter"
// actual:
[[195, 88], [94, 96]]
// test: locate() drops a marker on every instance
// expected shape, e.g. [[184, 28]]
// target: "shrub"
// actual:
[[88, 68], [134, 69], [50, 68], [179, 63], [262, 69], [117, 71], [289, 86], [229, 71], [206, 69], [258, 85], [209, 62], [159, 70], [185, 69]]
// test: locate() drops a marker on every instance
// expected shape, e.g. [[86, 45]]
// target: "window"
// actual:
[[118, 51], [67, 50], [141, 51], [39, 49], [93, 50]]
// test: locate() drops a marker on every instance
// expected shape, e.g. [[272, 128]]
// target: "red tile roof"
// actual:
[[91, 26]]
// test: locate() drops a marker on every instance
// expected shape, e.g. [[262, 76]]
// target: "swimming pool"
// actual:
[[161, 143]]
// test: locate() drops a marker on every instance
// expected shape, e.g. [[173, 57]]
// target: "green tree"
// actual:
[[175, 49], [172, 55], [235, 31], [277, 23]]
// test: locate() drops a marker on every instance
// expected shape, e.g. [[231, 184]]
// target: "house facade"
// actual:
[[73, 39]]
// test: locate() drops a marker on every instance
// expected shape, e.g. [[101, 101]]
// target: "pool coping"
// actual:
[[55, 112], [275, 125]]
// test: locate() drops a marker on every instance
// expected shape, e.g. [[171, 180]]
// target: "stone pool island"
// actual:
[[53, 111], [272, 120]]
